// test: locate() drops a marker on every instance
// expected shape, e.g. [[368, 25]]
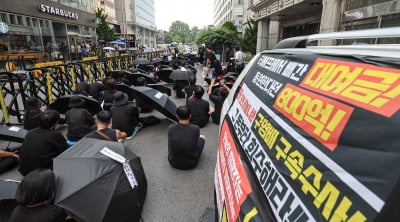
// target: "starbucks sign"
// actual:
[[3, 27], [58, 11]]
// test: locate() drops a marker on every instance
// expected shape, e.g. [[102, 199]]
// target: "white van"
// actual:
[[313, 134]]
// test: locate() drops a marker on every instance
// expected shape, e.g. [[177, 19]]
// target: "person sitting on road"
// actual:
[[189, 89], [218, 100], [80, 121], [8, 160], [34, 196], [185, 143], [125, 116], [42, 144], [83, 88], [108, 95], [32, 113], [103, 131], [199, 107], [140, 103], [179, 85]]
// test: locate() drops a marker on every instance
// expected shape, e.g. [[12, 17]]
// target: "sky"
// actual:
[[192, 12]]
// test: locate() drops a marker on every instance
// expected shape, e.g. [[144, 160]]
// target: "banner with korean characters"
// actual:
[[322, 135]]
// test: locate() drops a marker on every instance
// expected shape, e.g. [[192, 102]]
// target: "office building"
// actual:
[[137, 22], [229, 11]]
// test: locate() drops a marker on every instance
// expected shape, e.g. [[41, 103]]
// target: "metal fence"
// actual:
[[51, 82]]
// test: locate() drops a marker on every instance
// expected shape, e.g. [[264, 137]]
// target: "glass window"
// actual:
[[241, 2], [13, 20], [19, 20], [28, 21], [3, 17], [41, 22], [34, 22], [354, 4]]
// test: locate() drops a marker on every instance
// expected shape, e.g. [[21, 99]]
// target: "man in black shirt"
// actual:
[[103, 131], [185, 143], [218, 99], [125, 117], [42, 144], [199, 108]]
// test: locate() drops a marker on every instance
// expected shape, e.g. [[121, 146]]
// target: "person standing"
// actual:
[[185, 143], [199, 107], [125, 117], [239, 60], [42, 144], [103, 131]]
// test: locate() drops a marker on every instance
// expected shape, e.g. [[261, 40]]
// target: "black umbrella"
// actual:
[[164, 74], [179, 74], [8, 188], [157, 100], [133, 77], [160, 88], [12, 133], [92, 186], [141, 61], [157, 60], [61, 104], [126, 89]]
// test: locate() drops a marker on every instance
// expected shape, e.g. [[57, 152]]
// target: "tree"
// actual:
[[193, 33], [216, 37], [230, 26], [179, 32], [104, 32], [249, 40]]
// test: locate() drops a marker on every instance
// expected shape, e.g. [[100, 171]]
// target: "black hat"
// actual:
[[75, 101], [32, 103], [120, 98]]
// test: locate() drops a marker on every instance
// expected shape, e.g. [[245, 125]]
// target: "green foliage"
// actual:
[[178, 32], [104, 32], [249, 40], [230, 26], [216, 37]]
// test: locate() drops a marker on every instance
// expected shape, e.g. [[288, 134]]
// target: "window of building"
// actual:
[[28, 21], [19, 20], [354, 4], [13, 20], [241, 2], [34, 22], [3, 17]]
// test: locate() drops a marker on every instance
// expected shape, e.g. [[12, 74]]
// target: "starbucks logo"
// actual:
[[3, 27]]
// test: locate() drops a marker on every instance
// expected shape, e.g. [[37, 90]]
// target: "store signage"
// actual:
[[57, 11], [3, 27]]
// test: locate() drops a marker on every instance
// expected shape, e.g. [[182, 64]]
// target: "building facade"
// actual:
[[229, 10], [280, 19], [108, 7], [137, 22], [49, 29]]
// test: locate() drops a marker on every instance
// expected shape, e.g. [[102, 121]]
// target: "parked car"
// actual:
[[312, 134]]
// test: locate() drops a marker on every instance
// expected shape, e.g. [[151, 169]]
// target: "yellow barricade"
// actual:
[[89, 58]]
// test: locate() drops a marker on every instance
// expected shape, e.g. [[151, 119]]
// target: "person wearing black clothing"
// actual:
[[179, 85], [125, 116], [185, 143], [34, 196], [189, 89], [32, 113], [140, 103], [199, 108], [218, 100], [96, 89], [108, 95], [80, 121], [42, 144], [103, 131]]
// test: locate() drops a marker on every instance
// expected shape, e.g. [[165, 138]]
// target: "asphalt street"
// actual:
[[172, 195]]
